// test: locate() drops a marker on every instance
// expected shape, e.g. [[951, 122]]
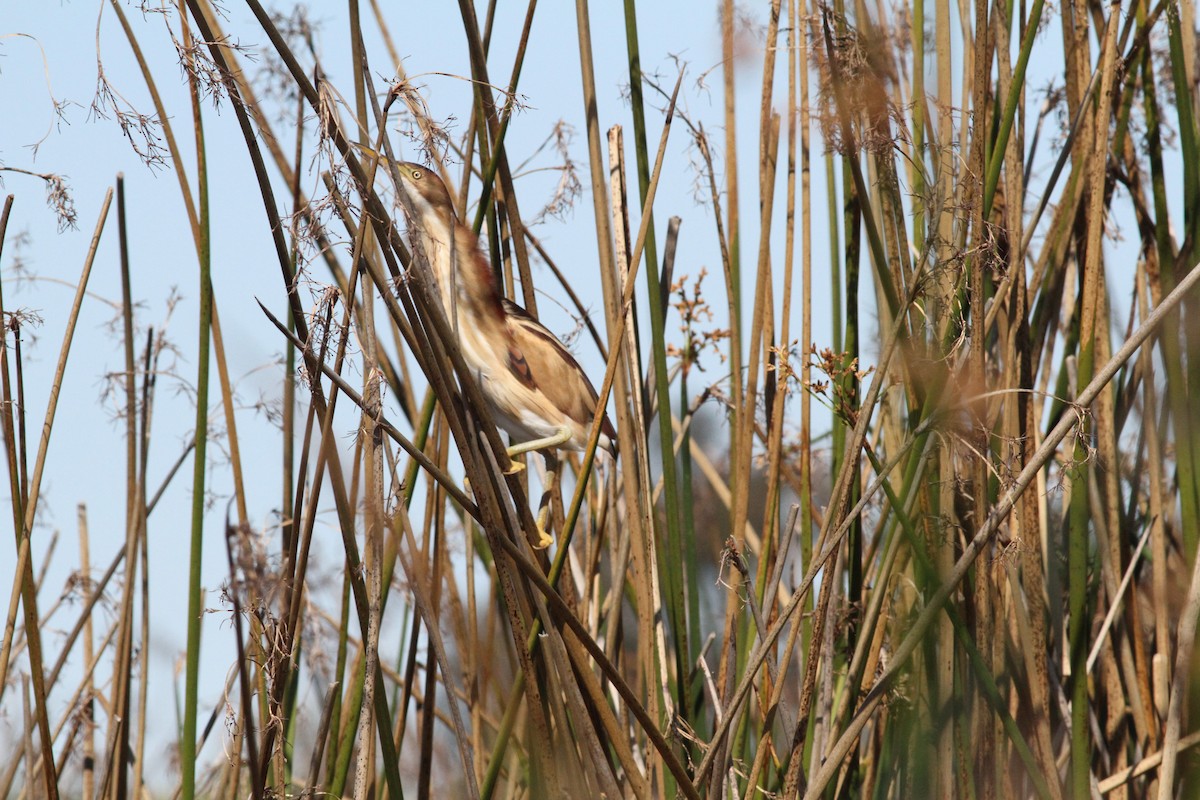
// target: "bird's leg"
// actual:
[[561, 437], [548, 486], [547, 443]]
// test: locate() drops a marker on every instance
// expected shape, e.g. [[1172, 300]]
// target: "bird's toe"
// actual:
[[544, 537]]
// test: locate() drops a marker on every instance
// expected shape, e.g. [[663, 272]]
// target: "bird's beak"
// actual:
[[370, 153], [374, 158]]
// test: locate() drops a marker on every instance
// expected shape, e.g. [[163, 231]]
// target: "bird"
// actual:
[[533, 386]]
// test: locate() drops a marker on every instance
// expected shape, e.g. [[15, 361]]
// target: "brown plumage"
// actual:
[[535, 388]]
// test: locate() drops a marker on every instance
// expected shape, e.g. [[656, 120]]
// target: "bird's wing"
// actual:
[[550, 365], [518, 365]]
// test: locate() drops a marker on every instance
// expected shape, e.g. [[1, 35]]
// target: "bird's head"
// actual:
[[429, 196]]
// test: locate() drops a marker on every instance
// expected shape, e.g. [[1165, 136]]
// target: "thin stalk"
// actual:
[[187, 744], [674, 556]]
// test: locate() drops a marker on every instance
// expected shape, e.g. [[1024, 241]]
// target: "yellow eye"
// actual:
[[417, 174]]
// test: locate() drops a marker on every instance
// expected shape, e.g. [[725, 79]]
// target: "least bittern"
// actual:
[[534, 387]]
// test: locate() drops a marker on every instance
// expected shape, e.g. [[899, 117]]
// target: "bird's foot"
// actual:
[[514, 467], [544, 537]]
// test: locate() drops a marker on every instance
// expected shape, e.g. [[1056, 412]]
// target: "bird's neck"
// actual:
[[464, 276]]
